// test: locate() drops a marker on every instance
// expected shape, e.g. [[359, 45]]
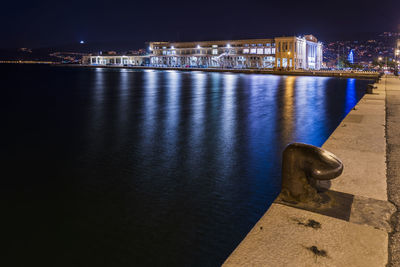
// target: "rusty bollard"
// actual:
[[303, 166]]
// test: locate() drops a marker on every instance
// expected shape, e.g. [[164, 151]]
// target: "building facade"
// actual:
[[117, 60], [288, 53], [280, 53]]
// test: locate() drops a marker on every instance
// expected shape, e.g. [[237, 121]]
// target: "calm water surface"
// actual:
[[118, 167]]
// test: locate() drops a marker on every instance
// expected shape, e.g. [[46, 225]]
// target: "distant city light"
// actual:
[[350, 57], [82, 42]]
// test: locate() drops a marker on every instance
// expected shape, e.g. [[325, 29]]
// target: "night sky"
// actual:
[[51, 23]]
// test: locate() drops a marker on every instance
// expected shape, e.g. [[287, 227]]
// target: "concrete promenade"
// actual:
[[368, 143]]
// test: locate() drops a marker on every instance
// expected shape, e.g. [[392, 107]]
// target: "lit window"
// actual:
[[273, 51], [284, 62], [253, 51], [260, 51], [269, 62], [245, 51], [278, 62], [214, 45], [267, 51], [215, 51]]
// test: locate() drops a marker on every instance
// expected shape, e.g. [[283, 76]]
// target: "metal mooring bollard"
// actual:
[[370, 88], [302, 166]]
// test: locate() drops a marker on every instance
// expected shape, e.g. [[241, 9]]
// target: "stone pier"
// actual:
[[289, 236]]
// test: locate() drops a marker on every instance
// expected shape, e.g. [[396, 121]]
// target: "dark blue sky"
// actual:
[[50, 23]]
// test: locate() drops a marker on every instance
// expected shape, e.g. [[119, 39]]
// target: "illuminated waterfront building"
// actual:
[[279, 53], [286, 53]]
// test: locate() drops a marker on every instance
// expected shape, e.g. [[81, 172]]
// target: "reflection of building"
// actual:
[[288, 53], [280, 53]]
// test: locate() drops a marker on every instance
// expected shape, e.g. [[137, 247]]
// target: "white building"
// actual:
[[280, 53], [116, 60], [287, 53]]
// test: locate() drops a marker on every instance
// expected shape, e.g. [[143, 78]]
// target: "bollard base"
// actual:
[[331, 203]]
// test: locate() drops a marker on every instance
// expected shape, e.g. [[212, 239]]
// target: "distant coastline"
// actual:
[[27, 62]]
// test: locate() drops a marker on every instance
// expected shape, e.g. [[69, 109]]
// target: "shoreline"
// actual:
[[317, 73]]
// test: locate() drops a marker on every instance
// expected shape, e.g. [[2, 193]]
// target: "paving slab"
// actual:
[[360, 142], [282, 238]]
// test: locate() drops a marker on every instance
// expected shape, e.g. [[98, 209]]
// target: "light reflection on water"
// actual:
[[173, 168]]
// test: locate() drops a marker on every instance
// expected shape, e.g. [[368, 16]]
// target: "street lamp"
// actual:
[[380, 59]]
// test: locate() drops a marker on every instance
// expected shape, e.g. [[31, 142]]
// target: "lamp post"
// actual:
[[380, 59]]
